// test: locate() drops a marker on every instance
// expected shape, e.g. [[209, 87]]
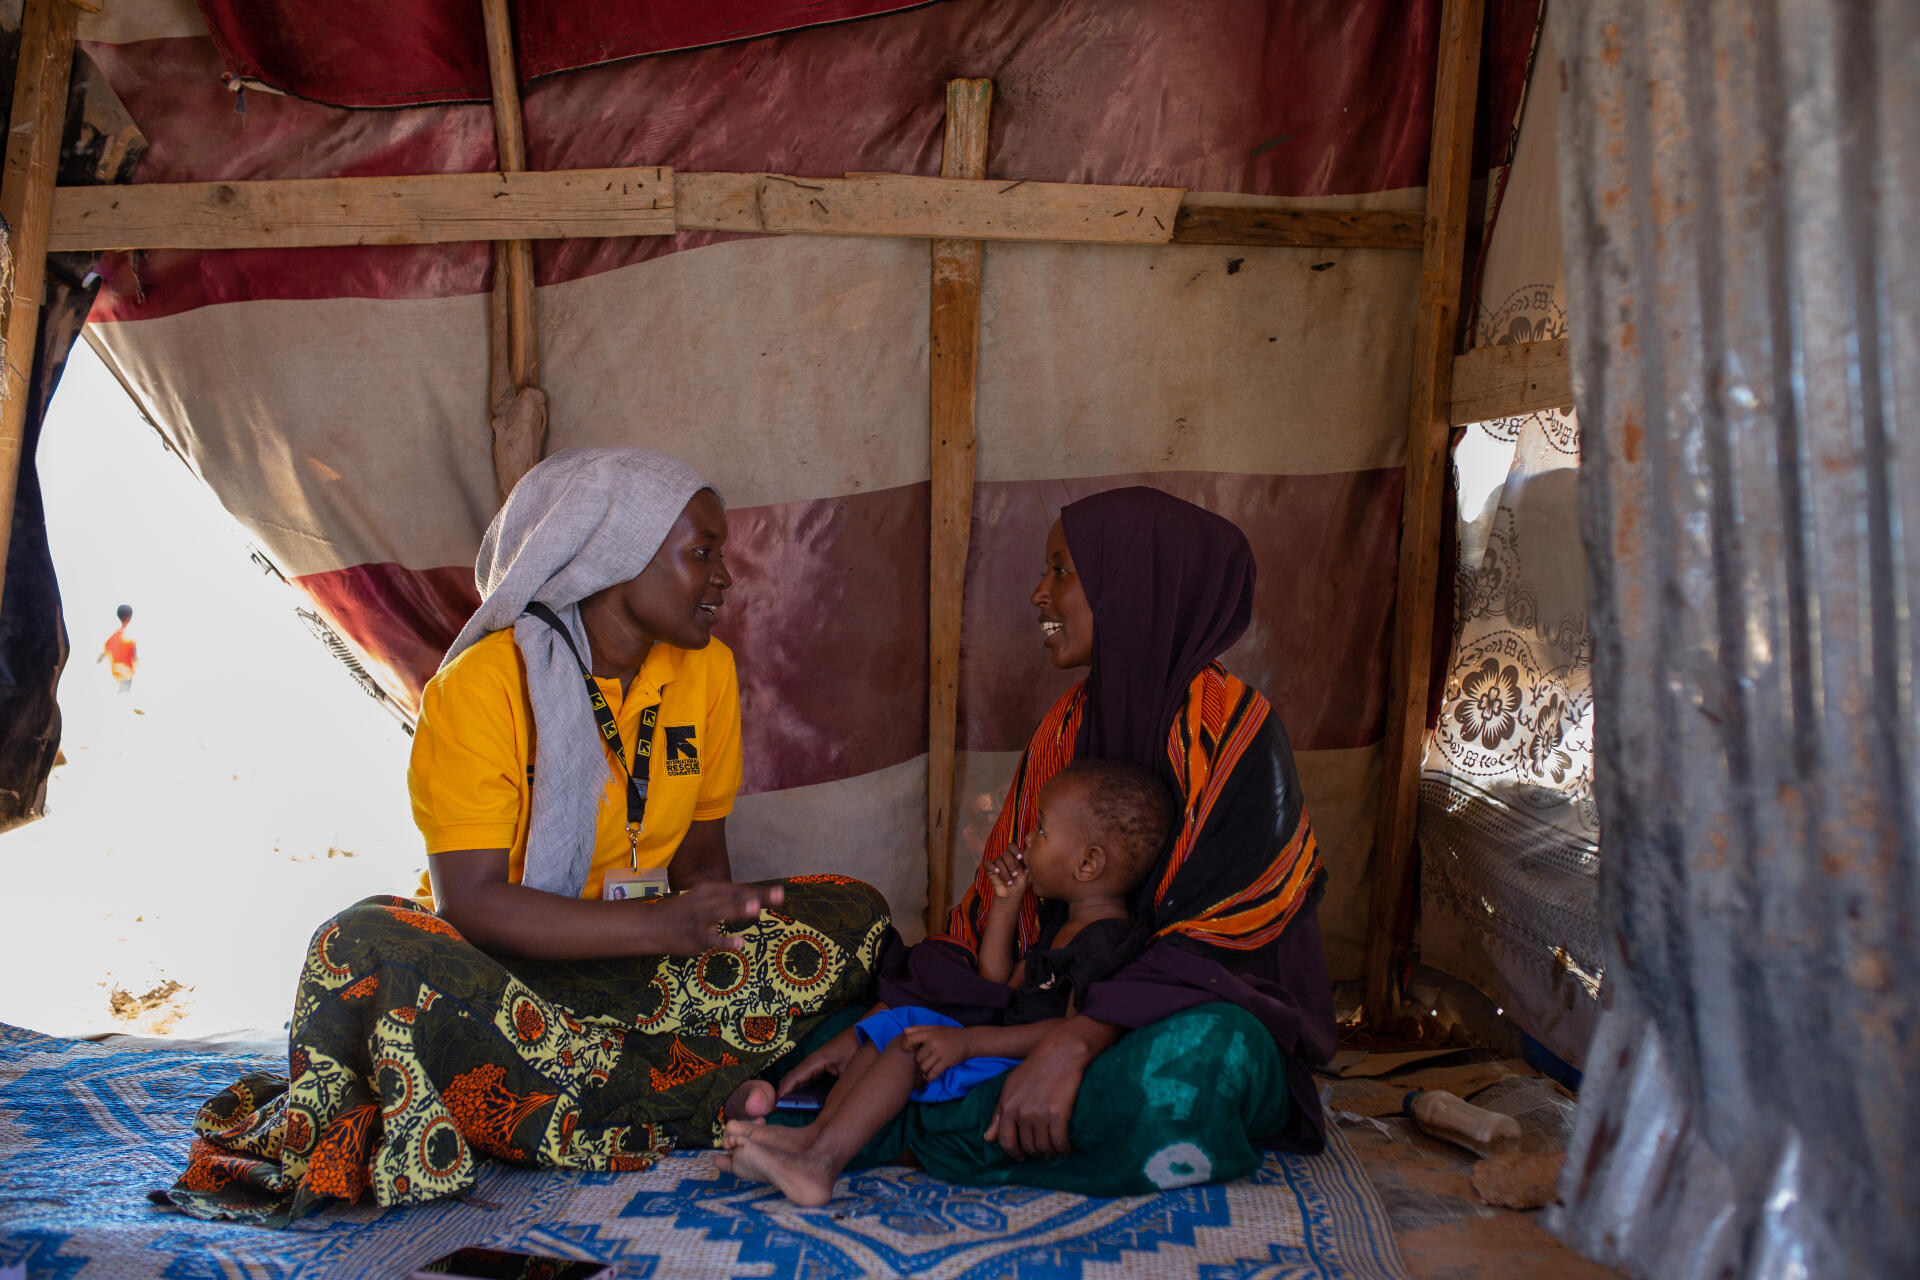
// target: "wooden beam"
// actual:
[[26, 200], [422, 209], [1509, 380], [717, 201], [1441, 258], [301, 212], [1201, 223], [731, 202], [897, 205], [517, 407], [954, 347]]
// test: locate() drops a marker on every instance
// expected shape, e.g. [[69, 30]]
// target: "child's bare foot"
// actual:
[[736, 1132], [778, 1136], [751, 1101], [804, 1178]]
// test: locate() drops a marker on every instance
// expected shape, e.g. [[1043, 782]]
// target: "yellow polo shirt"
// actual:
[[471, 773]]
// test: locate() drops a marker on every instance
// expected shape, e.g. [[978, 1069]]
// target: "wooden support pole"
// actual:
[[517, 406], [1441, 259], [954, 349], [26, 200]]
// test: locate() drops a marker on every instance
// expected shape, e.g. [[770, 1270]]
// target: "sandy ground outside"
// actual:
[[175, 856], [206, 822]]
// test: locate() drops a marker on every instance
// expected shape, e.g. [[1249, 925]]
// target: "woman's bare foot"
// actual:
[[751, 1101], [804, 1178]]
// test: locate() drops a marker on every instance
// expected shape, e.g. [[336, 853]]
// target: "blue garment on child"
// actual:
[[956, 1081]]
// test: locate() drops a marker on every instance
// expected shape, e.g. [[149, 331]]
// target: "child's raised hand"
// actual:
[[1008, 875], [937, 1048]]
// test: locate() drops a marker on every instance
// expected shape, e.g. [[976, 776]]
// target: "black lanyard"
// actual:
[[610, 734]]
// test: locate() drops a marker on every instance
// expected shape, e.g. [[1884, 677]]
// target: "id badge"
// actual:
[[621, 885]]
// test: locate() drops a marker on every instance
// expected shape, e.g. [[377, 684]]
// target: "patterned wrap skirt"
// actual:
[[412, 1054]]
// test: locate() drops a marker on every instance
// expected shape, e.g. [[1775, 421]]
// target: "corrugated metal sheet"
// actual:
[[1740, 186]]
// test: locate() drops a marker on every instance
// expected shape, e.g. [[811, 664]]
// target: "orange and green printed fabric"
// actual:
[[412, 1054]]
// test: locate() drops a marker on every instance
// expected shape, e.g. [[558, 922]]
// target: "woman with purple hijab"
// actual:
[[1198, 1053]]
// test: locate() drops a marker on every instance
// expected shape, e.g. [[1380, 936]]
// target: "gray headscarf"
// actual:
[[582, 520]]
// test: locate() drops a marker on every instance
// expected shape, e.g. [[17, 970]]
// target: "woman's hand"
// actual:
[[1008, 875], [937, 1048], [503, 918], [1036, 1103], [689, 923]]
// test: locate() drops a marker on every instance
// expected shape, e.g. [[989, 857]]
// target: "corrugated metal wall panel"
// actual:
[[1740, 183]]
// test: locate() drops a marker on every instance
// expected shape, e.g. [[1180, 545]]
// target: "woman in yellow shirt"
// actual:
[[647, 641], [580, 743]]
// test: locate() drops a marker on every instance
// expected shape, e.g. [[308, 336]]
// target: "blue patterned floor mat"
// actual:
[[86, 1131]]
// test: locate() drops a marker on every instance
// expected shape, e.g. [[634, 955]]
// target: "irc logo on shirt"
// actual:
[[683, 756]]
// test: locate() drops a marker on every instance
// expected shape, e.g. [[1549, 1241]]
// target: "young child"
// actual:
[[121, 650], [1101, 826]]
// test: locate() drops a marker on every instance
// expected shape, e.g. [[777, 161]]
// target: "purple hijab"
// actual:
[[1171, 586]]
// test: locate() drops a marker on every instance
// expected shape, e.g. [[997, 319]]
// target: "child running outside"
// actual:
[[1101, 827], [121, 650]]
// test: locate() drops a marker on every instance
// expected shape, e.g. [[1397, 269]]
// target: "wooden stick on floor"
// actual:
[[516, 405], [954, 340], [26, 200], [1441, 257]]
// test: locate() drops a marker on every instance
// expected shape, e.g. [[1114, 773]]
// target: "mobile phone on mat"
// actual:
[[506, 1264]]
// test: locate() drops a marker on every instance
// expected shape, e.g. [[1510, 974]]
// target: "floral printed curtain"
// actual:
[[1508, 832]]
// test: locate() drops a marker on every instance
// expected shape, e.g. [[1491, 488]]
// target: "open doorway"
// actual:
[[240, 789]]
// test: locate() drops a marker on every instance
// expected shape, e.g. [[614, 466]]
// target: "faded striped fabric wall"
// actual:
[[335, 399]]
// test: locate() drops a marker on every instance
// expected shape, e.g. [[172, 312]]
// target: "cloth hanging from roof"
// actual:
[[791, 370], [1508, 830]]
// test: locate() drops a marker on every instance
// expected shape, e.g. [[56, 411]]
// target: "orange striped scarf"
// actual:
[[1246, 908]]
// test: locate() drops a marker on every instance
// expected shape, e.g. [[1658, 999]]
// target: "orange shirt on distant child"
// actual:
[[122, 653]]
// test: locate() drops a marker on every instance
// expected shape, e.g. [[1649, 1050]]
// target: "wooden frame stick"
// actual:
[[1510, 379], [26, 200], [1441, 259], [902, 205], [1199, 222], [954, 346], [517, 407]]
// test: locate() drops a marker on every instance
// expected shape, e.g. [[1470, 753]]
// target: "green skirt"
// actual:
[[412, 1054], [1184, 1100]]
